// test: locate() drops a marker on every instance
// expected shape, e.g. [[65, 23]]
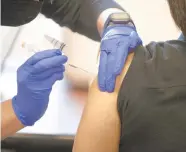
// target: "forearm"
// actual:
[[86, 17], [9, 122], [93, 14], [103, 9], [104, 16]]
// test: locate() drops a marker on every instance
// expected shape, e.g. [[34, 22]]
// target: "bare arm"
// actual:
[[99, 129], [9, 122]]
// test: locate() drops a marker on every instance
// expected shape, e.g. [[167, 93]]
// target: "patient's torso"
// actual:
[[152, 100]]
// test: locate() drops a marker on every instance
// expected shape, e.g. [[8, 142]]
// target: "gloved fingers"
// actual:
[[110, 75], [110, 83], [43, 55], [55, 77], [134, 40], [109, 45], [121, 56], [48, 73], [102, 71], [49, 63]]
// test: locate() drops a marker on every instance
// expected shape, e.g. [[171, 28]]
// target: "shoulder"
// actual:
[[156, 65], [167, 49], [160, 51]]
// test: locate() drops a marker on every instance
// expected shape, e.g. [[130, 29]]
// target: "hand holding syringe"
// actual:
[[33, 48], [56, 45]]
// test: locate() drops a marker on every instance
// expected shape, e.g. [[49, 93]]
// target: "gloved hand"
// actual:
[[35, 79], [117, 41]]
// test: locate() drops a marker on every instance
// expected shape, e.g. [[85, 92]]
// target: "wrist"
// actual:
[[18, 110], [15, 117], [103, 18], [10, 123]]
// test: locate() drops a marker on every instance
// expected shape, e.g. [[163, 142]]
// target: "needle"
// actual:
[[78, 68], [56, 44]]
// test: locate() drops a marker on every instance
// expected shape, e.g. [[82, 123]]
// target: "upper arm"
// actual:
[[99, 129]]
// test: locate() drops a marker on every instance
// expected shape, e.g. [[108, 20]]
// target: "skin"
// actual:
[[10, 123], [103, 17], [99, 128]]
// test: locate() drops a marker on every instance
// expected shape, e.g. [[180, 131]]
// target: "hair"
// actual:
[[178, 12]]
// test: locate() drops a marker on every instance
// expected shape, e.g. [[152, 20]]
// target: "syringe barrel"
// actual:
[[56, 44]]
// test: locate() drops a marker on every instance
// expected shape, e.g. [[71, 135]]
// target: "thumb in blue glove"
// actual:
[[35, 79]]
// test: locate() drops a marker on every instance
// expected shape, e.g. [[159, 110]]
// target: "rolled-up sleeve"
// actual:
[[78, 15]]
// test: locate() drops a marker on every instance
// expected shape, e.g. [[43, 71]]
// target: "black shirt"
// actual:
[[152, 99], [79, 15]]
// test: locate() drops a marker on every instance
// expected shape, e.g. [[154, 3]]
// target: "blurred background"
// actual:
[[153, 22]]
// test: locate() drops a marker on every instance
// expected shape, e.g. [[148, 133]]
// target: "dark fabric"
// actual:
[[152, 100], [18, 12], [78, 15]]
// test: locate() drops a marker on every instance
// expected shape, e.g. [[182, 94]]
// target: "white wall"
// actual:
[[152, 18], [8, 34]]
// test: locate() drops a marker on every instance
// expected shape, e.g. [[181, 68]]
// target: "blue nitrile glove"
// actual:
[[117, 41], [35, 79]]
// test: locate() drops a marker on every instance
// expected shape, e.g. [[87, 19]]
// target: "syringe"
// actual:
[[60, 45], [56, 44]]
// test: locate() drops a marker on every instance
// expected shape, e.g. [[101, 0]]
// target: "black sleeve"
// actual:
[[157, 65], [152, 96], [78, 15]]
